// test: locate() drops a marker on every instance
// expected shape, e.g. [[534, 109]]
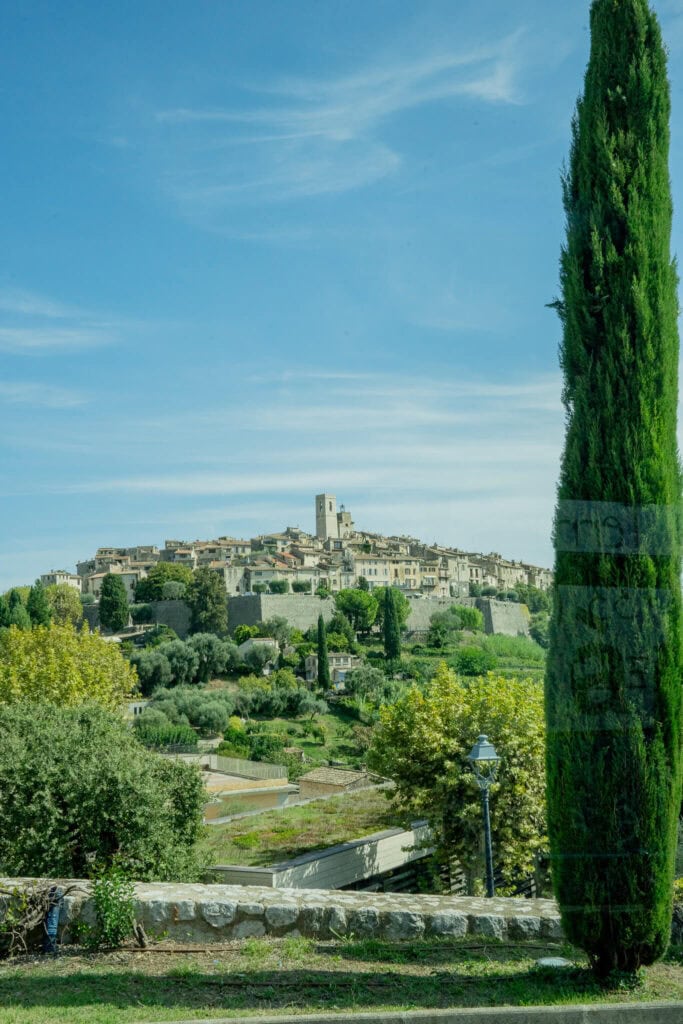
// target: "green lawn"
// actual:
[[260, 976], [275, 836]]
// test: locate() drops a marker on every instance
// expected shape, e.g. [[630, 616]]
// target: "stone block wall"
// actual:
[[300, 610], [218, 913]]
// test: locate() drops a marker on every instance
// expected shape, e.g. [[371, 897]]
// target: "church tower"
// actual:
[[326, 516]]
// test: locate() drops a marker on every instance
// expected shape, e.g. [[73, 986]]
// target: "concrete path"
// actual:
[[624, 1013]]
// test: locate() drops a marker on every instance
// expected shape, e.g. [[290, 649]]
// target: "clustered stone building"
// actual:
[[335, 557]]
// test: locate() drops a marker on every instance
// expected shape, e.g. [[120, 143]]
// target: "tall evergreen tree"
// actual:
[[38, 606], [323, 662], [391, 629], [114, 612], [18, 615], [613, 685]]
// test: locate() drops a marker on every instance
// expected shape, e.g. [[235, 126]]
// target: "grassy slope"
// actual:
[[275, 836], [260, 976]]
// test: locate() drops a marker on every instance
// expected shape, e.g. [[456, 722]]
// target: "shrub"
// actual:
[[81, 775], [183, 660], [161, 634], [153, 670], [279, 586], [301, 586], [173, 590], [156, 732], [141, 613], [473, 661]]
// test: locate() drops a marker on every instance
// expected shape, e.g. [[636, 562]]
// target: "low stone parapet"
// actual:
[[218, 913]]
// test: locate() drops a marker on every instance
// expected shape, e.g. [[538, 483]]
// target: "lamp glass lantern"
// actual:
[[484, 761]]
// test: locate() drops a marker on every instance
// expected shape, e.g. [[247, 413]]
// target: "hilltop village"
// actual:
[[336, 557]]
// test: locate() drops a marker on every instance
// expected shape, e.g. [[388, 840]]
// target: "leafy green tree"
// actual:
[[259, 588], [81, 773], [114, 611], [473, 661], [444, 628], [183, 660], [362, 583], [243, 633], [152, 587], [279, 586], [277, 628], [324, 680], [360, 608], [208, 603], [38, 606], [4, 612], [301, 586], [422, 742], [173, 590], [153, 669], [340, 624], [471, 619], [212, 655], [613, 684], [141, 614], [391, 630], [56, 664], [18, 614], [401, 602], [159, 634], [65, 603], [20, 617]]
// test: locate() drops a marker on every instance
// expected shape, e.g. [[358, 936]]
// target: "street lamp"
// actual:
[[484, 761]]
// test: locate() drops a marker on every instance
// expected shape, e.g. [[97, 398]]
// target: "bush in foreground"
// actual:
[[77, 786]]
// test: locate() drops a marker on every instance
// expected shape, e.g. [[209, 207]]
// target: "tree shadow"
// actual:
[[192, 988]]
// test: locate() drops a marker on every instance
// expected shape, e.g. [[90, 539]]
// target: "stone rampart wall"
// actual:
[[300, 610], [175, 614], [506, 617]]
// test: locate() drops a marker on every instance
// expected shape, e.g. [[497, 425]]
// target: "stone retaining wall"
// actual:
[[217, 913]]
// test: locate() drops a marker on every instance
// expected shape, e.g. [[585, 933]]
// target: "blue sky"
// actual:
[[254, 250]]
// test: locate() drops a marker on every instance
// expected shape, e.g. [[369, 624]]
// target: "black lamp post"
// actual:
[[484, 761]]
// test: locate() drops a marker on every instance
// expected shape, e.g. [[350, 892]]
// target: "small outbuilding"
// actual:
[[328, 781]]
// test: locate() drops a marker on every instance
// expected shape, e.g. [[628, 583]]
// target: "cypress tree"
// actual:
[[38, 606], [323, 662], [114, 612], [390, 626], [613, 684]]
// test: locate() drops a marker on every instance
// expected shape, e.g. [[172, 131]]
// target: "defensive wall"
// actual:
[[505, 617], [300, 610]]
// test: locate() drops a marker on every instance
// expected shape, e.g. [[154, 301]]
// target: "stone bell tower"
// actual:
[[326, 516]]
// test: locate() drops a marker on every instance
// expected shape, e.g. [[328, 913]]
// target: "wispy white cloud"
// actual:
[[38, 395], [34, 340], [322, 136], [34, 324]]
